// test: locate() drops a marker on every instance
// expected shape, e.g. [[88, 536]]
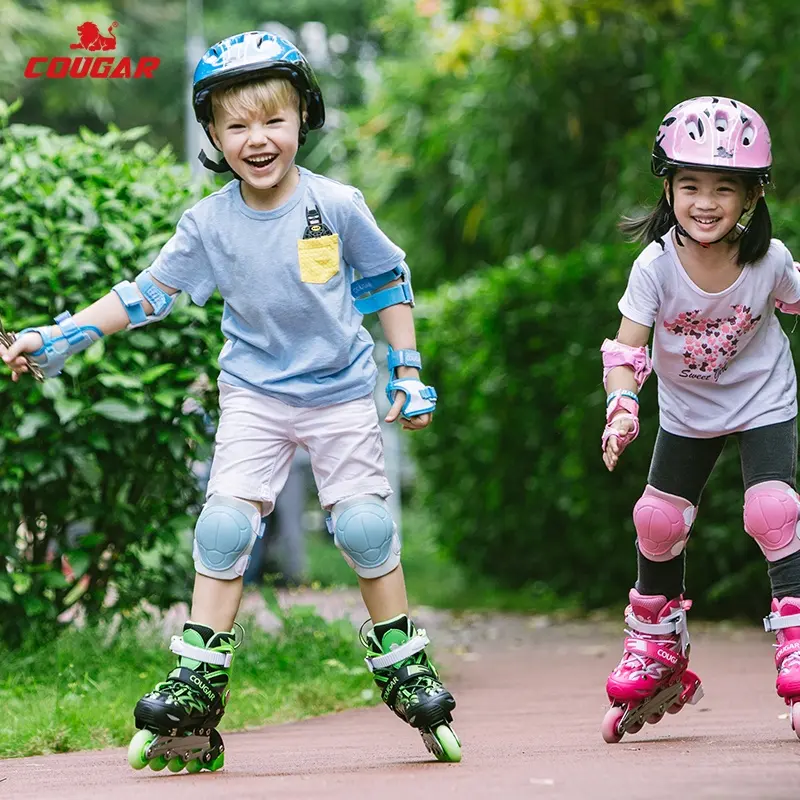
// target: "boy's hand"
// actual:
[[413, 424], [13, 350], [416, 422], [624, 424]]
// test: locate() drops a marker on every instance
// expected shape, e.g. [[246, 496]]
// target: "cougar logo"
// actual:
[[90, 38], [90, 66]]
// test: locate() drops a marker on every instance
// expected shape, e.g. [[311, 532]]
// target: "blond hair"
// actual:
[[255, 98]]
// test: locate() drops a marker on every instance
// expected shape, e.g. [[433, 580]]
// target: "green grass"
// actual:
[[432, 577], [78, 693]]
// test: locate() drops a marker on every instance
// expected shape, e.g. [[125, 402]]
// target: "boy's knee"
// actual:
[[224, 536], [364, 531]]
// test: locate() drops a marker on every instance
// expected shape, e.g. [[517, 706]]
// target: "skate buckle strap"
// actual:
[[414, 645], [775, 622], [655, 651], [181, 648], [674, 624]]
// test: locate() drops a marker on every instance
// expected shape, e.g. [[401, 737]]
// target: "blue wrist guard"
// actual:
[[55, 350], [420, 399]]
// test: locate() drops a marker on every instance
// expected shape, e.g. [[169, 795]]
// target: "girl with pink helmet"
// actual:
[[706, 284]]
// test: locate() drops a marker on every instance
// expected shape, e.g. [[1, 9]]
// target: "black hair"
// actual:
[[754, 238]]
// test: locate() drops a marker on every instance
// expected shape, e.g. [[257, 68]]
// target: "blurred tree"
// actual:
[[158, 28], [526, 123]]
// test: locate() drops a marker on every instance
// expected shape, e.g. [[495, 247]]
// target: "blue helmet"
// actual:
[[249, 56]]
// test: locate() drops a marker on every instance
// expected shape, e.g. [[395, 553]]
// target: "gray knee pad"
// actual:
[[226, 531], [363, 529]]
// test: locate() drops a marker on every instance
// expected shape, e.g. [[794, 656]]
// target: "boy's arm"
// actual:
[[397, 322], [107, 315]]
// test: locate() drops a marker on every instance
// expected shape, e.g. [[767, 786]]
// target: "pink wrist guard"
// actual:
[[616, 354], [621, 404]]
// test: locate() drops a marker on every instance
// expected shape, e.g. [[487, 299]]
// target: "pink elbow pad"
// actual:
[[616, 354]]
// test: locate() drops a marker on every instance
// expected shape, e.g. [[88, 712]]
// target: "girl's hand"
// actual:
[[624, 424], [12, 353]]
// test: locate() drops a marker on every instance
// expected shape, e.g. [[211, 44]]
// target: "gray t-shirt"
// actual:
[[292, 327], [722, 359]]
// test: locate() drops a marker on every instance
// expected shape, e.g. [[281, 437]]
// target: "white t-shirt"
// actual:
[[722, 359]]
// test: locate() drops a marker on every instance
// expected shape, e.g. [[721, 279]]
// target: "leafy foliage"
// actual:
[[105, 448]]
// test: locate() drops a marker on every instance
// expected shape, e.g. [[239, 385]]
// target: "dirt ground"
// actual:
[[530, 702]]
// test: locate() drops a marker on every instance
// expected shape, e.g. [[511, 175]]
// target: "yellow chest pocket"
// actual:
[[319, 258]]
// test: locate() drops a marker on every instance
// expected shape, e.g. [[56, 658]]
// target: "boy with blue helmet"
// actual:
[[281, 244]]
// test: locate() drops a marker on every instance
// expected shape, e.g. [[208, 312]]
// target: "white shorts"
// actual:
[[257, 437]]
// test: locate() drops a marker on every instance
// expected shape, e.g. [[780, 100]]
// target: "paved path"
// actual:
[[530, 702]]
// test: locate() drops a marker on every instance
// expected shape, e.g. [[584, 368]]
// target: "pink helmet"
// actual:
[[713, 133]]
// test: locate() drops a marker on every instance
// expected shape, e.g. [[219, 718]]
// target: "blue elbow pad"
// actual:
[[369, 297], [133, 295]]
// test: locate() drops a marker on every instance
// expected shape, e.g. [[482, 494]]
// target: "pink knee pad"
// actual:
[[662, 523], [771, 512]]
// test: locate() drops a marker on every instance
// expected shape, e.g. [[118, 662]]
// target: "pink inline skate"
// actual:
[[785, 621], [652, 678]]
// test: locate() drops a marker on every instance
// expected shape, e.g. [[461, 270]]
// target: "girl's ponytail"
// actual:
[[653, 226]]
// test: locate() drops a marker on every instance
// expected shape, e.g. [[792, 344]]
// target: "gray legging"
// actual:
[[682, 466]]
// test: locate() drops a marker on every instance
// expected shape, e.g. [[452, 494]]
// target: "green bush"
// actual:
[[105, 446], [512, 464]]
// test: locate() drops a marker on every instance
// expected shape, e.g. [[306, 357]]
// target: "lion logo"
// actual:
[[90, 38]]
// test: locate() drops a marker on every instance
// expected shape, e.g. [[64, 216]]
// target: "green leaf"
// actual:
[[31, 425], [154, 373], [67, 409], [125, 381], [120, 412]]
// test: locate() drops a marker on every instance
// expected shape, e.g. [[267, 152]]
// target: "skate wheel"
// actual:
[[444, 744], [176, 764], [610, 726], [217, 763], [158, 763], [138, 747], [654, 719], [194, 766], [795, 716], [674, 708], [636, 727]]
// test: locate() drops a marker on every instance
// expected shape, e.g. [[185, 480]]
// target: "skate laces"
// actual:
[[648, 667], [674, 625]]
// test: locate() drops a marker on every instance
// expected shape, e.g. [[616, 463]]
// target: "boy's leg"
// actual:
[[771, 517], [178, 719], [385, 597], [346, 450]]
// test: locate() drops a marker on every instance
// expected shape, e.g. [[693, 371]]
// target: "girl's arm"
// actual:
[[622, 384]]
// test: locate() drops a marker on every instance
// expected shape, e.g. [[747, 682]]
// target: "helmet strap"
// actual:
[[220, 167]]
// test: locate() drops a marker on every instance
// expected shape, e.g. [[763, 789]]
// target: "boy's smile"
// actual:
[[261, 151]]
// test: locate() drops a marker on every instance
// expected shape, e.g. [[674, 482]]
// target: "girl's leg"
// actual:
[[771, 512], [769, 457], [652, 676], [681, 467]]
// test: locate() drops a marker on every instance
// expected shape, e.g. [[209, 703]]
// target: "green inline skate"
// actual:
[[178, 719], [410, 685]]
